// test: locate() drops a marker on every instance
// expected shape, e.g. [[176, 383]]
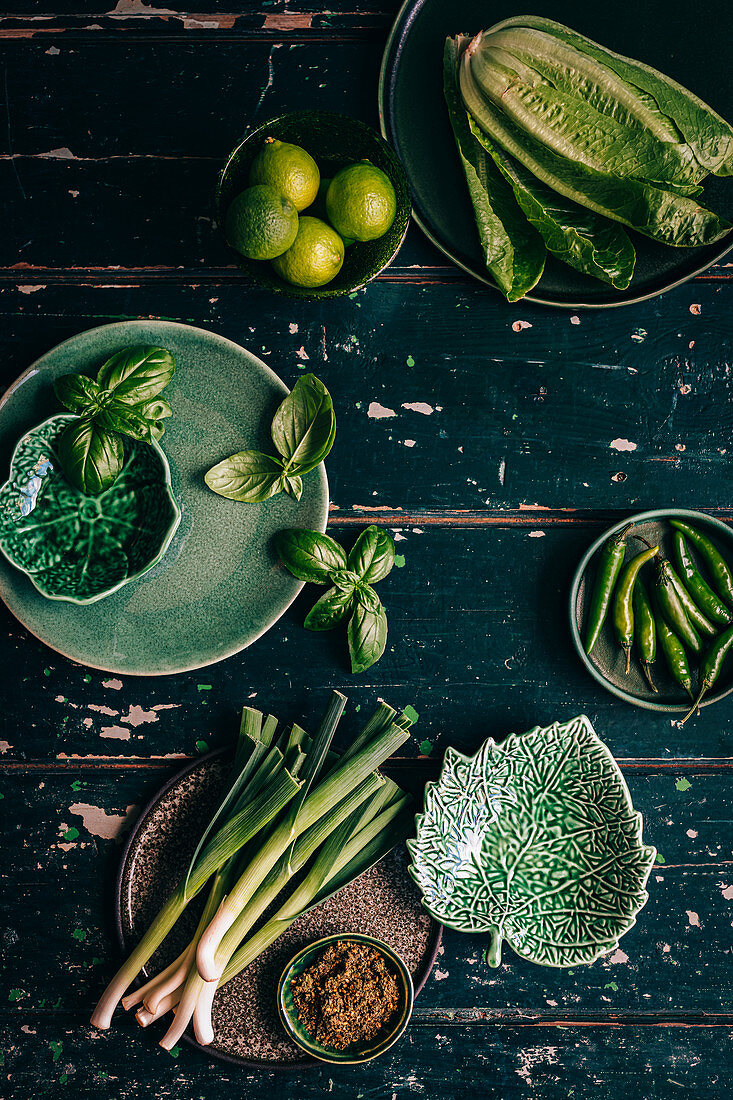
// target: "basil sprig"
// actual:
[[123, 400], [303, 430], [311, 556]]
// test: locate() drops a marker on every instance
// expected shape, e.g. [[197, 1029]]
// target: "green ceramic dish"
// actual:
[[357, 1052], [534, 841], [79, 548], [334, 141], [219, 586], [606, 664]]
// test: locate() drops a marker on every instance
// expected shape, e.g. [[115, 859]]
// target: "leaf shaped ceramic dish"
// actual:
[[535, 841], [79, 548]]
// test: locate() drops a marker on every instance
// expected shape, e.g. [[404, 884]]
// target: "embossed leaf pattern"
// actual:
[[537, 842], [77, 547]]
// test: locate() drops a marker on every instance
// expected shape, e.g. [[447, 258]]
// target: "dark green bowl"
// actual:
[[357, 1052], [334, 141], [606, 664]]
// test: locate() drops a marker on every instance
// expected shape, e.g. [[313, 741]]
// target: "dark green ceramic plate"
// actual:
[[607, 664], [357, 1052], [79, 548], [334, 141], [415, 122], [219, 586]]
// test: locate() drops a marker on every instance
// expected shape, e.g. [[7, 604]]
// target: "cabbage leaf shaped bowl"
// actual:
[[75, 547], [536, 842]]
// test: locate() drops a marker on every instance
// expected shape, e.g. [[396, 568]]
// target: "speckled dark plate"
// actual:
[[607, 665], [415, 122], [383, 903], [334, 141]]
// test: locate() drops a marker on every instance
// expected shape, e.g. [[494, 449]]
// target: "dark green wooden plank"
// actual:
[[64, 832], [471, 656], [499, 1062]]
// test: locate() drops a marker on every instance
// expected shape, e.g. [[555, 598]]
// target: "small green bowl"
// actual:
[[357, 1052], [334, 141], [607, 664]]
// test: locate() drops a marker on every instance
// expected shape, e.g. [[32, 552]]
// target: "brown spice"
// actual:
[[347, 995]]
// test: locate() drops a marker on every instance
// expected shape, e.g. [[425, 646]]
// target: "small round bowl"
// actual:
[[607, 664], [334, 141], [357, 1052]]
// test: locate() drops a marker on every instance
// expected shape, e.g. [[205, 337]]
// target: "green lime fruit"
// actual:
[[289, 169], [314, 258], [361, 202], [261, 223]]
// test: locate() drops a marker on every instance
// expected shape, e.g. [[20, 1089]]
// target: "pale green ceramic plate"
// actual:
[[219, 586]]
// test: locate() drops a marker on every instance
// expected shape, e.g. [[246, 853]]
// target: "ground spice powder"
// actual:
[[347, 995]]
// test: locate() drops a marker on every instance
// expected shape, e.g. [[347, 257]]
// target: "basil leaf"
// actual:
[[157, 409], [309, 555], [91, 457], [293, 485], [116, 417], [136, 375], [372, 555], [368, 598], [77, 393], [367, 636], [247, 476], [329, 610], [345, 579], [304, 426]]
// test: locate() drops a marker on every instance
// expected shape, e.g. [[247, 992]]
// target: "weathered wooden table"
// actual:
[[495, 450]]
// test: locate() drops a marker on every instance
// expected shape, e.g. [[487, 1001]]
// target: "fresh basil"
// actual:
[[309, 555], [372, 555], [77, 393], [91, 457], [136, 375], [304, 425], [303, 430], [248, 476], [329, 610], [367, 633], [293, 485], [124, 400]]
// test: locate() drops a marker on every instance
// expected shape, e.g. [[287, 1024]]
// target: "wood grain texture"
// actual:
[[494, 441]]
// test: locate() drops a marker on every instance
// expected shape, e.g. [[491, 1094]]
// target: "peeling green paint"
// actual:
[[77, 785], [202, 746], [203, 687], [660, 858], [57, 1047], [16, 994], [79, 934], [174, 1051], [71, 834], [611, 985], [399, 560], [683, 784], [426, 747], [410, 361]]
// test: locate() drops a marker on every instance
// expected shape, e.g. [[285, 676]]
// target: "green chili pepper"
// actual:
[[711, 666], [671, 607], [720, 572], [674, 654], [645, 633], [623, 608], [693, 612], [695, 584], [610, 560]]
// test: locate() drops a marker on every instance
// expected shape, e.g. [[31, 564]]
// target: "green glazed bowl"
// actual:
[[75, 547], [606, 664], [334, 141], [357, 1052]]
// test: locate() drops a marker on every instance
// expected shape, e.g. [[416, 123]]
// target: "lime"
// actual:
[[288, 168], [261, 223], [314, 258], [361, 202]]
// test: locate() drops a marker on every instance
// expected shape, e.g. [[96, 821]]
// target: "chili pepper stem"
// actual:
[[646, 669], [642, 539], [627, 651], [696, 705]]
